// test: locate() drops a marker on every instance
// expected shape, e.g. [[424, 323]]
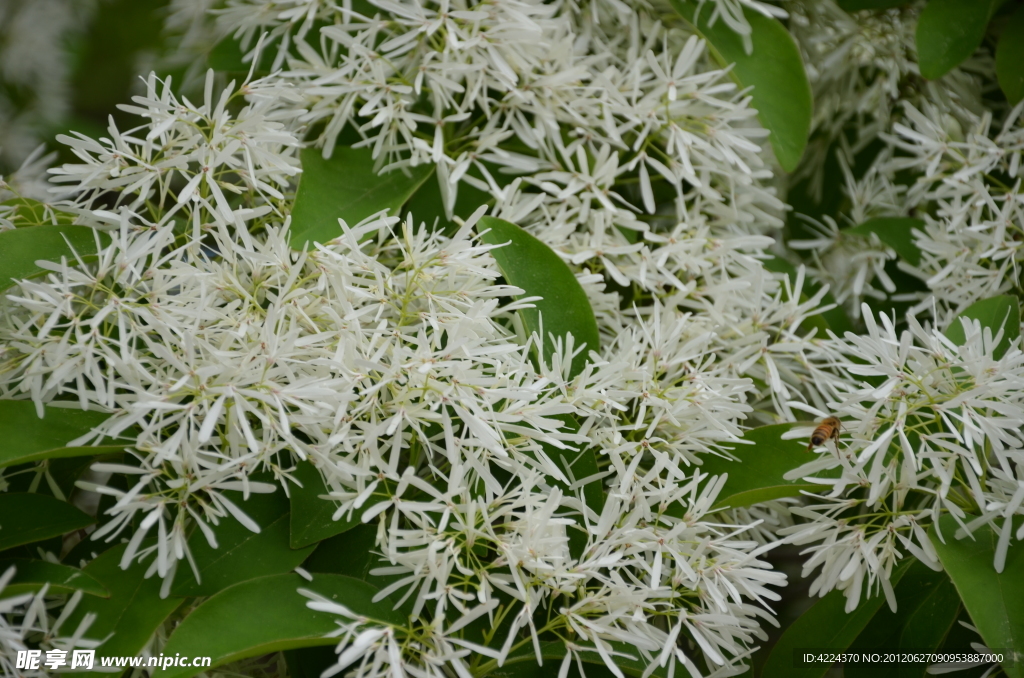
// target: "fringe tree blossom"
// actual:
[[932, 427], [617, 604], [970, 245], [393, 361], [37, 619], [370, 353], [188, 156], [864, 73]]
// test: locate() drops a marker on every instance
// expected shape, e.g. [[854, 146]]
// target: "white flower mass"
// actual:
[[394, 359]]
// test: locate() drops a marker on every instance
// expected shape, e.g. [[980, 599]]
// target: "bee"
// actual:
[[827, 428]]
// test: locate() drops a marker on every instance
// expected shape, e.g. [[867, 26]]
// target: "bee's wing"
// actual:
[[800, 429]]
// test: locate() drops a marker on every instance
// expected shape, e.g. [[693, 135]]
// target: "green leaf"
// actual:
[[28, 438], [930, 622], [576, 465], [532, 266], [896, 232], [858, 5], [781, 93], [993, 313], [311, 516], [269, 615], [1010, 58], [349, 553], [27, 518], [309, 662], [132, 613], [995, 600], [346, 187], [354, 554], [826, 626], [950, 31], [242, 554], [427, 206], [21, 248], [30, 576], [758, 475], [927, 608], [521, 663]]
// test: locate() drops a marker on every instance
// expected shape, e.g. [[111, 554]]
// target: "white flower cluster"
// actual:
[[864, 75], [393, 358], [387, 358], [189, 156], [382, 357], [637, 591], [636, 158], [29, 618], [592, 105], [932, 427], [969, 191]]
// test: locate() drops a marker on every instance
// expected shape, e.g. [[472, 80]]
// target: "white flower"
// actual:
[[917, 427], [37, 618], [205, 146]]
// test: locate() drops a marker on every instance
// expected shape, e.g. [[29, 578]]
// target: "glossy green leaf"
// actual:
[[825, 626], [269, 615], [758, 475], [346, 187], [576, 465], [531, 265], [30, 576], [896, 232], [995, 312], [27, 518], [927, 607], [349, 553], [310, 662], [132, 613], [242, 554], [427, 206], [28, 438], [522, 662], [21, 248], [355, 554], [1010, 57], [781, 93], [312, 516], [950, 31], [995, 600]]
